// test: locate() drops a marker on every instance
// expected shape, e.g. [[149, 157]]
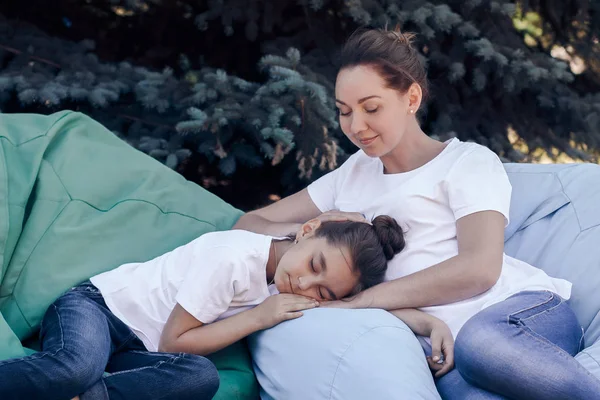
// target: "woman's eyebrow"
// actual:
[[359, 101]]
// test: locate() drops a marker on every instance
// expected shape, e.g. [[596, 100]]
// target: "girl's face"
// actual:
[[315, 269], [373, 116]]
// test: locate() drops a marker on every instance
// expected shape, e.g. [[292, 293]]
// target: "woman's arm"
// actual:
[[442, 343], [419, 322], [474, 270], [287, 216], [281, 218]]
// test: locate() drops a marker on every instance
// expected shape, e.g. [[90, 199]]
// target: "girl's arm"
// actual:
[[183, 333], [474, 270]]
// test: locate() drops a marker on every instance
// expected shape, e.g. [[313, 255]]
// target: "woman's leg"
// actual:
[[76, 344], [453, 386], [523, 348], [139, 374]]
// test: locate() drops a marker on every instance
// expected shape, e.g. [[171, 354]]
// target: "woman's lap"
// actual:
[[522, 347]]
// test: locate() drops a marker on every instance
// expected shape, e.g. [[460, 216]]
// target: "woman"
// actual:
[[515, 334]]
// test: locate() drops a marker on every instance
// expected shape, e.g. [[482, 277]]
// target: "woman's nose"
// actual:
[[358, 124]]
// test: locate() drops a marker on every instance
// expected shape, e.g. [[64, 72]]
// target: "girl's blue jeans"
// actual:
[[521, 348], [81, 339]]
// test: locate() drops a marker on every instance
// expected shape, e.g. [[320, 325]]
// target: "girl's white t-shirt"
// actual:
[[213, 277], [464, 178]]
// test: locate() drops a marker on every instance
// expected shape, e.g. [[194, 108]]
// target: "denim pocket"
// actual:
[[540, 301]]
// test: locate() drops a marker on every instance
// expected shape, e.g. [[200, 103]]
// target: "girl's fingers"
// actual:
[[292, 315], [301, 306]]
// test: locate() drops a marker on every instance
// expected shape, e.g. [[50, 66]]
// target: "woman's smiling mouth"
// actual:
[[367, 141]]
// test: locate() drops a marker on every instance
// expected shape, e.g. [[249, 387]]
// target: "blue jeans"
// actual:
[[81, 339], [521, 348]]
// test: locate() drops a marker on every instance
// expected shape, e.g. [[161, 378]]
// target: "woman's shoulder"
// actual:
[[472, 153]]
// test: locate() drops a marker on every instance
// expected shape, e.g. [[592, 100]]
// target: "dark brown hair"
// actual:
[[370, 246], [390, 53]]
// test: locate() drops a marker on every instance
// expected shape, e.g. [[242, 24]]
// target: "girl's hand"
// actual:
[[441, 360], [335, 215], [282, 307]]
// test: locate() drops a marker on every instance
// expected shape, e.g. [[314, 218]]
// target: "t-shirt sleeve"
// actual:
[[210, 284], [478, 182], [324, 191]]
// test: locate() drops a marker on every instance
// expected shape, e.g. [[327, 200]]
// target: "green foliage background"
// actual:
[[238, 94]]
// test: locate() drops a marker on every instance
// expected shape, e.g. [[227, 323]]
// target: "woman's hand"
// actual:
[[337, 216], [347, 303], [441, 360], [282, 307]]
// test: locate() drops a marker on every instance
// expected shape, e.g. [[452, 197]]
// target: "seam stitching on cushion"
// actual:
[[562, 188], [26, 261], [40, 135], [5, 215], [147, 202], [350, 346], [590, 227], [58, 177]]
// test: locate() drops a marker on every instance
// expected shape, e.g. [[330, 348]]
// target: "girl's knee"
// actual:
[[76, 372], [203, 378]]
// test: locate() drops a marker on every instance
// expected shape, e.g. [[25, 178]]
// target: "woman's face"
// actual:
[[314, 268], [372, 116]]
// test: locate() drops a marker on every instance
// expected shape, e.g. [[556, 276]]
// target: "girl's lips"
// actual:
[[290, 282], [367, 141]]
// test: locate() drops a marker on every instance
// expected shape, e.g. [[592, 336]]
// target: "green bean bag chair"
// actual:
[[75, 200]]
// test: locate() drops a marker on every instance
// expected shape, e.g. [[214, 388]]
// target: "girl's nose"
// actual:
[[303, 282]]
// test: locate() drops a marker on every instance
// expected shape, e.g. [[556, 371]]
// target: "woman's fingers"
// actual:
[[342, 216], [449, 354], [444, 370], [434, 366], [436, 348]]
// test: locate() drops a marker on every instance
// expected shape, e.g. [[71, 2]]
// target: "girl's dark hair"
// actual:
[[390, 53], [370, 246]]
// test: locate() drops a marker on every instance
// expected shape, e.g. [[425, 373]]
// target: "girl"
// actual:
[[149, 324], [515, 334]]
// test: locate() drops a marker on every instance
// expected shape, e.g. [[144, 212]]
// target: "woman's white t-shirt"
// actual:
[[464, 178], [213, 277]]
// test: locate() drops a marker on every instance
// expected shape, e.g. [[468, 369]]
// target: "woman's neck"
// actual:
[[277, 250], [414, 150]]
